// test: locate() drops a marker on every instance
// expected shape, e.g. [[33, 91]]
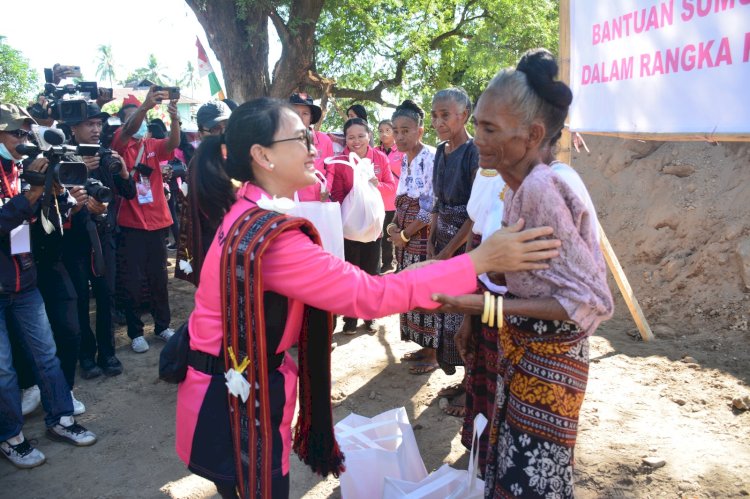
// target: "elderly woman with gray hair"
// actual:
[[544, 321]]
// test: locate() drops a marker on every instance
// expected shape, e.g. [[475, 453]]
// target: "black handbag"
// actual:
[[173, 359]]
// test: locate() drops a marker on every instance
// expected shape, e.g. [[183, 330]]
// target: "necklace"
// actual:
[[503, 192]]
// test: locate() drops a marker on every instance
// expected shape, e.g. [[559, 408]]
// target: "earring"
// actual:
[[271, 166]]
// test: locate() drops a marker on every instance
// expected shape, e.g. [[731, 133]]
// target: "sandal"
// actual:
[[452, 391], [423, 368], [414, 356], [457, 407]]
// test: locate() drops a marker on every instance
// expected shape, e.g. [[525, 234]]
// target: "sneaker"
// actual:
[[22, 455], [111, 366], [78, 407], [30, 400], [139, 345], [371, 327], [67, 430], [166, 334], [89, 369]]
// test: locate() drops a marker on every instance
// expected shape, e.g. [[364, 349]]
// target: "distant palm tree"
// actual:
[[190, 78], [106, 68], [155, 72]]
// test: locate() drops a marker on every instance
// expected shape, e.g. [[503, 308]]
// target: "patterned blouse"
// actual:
[[416, 181], [577, 279]]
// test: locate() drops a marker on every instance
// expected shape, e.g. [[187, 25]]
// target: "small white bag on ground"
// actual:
[[362, 211], [375, 448], [445, 482], [326, 217]]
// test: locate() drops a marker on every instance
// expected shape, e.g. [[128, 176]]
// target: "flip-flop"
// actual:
[[457, 407], [452, 391], [414, 356], [423, 368]]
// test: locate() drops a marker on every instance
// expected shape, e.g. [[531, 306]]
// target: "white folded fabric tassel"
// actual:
[[279, 205], [237, 384], [186, 267]]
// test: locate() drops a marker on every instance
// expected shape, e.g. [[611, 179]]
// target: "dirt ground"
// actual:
[[669, 399]]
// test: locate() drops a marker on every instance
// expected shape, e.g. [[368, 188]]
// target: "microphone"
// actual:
[[27, 150], [54, 136]]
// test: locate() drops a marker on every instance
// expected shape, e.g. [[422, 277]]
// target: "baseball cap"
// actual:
[[13, 117], [93, 111], [305, 100], [211, 113]]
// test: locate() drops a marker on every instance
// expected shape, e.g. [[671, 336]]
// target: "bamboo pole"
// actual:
[[676, 137], [565, 155]]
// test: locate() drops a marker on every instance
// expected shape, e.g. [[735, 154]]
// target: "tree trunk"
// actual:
[[240, 41]]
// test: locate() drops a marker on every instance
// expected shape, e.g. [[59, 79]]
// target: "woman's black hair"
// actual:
[[356, 121], [359, 110], [385, 122], [409, 109], [254, 122]]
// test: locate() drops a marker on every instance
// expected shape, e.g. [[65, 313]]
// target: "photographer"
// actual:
[[144, 220], [90, 239], [20, 299]]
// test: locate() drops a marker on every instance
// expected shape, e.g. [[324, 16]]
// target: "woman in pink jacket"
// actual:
[[266, 285], [365, 255]]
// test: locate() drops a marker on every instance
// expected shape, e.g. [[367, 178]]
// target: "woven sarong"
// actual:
[[449, 221], [416, 327], [541, 382]]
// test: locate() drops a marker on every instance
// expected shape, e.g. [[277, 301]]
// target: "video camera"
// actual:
[[51, 145], [67, 103]]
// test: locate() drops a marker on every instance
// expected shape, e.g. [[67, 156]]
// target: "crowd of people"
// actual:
[[514, 307]]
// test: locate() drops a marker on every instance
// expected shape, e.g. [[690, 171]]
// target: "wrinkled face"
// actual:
[[88, 132], [357, 139], [13, 138], [294, 164], [407, 133], [304, 113], [448, 118], [501, 138]]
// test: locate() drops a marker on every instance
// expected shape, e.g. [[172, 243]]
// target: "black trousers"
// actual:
[[365, 256], [81, 274], [388, 258], [142, 265], [60, 299]]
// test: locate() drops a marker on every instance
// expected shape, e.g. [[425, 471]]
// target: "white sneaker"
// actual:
[[78, 407], [166, 334], [22, 454], [30, 400], [139, 345], [67, 430]]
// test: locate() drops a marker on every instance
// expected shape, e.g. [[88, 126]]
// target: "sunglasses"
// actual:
[[20, 133], [307, 138]]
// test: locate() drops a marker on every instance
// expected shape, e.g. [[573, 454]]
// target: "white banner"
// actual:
[[660, 66]]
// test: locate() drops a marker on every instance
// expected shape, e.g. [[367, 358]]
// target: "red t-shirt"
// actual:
[[134, 213], [341, 177]]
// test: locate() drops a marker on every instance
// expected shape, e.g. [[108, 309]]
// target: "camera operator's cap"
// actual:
[[93, 112], [13, 117], [211, 113], [305, 100]]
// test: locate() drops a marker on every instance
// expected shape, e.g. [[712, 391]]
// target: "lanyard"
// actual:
[[10, 190]]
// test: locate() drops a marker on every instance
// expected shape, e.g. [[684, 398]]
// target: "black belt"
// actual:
[[212, 365]]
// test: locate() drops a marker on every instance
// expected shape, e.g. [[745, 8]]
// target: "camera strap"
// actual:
[[140, 153], [10, 187]]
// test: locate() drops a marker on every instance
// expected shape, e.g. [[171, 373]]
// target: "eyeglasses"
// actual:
[[307, 138], [20, 133]]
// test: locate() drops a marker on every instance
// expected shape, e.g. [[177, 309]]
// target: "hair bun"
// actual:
[[540, 68], [410, 105]]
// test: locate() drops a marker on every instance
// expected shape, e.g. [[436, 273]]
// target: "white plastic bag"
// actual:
[[445, 482], [375, 448], [326, 217], [362, 211]]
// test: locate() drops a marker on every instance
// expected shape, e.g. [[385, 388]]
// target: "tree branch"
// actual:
[[281, 28], [435, 43], [374, 94]]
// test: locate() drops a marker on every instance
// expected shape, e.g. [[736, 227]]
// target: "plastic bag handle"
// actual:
[[357, 433]]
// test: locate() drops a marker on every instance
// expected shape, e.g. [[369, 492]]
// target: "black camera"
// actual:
[[144, 170], [108, 161], [98, 191], [174, 92], [67, 173], [67, 103]]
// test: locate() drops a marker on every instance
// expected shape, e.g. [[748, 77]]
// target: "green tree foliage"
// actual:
[[106, 67], [17, 80], [190, 78]]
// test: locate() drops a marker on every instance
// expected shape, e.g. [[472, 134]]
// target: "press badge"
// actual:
[[20, 239], [145, 195]]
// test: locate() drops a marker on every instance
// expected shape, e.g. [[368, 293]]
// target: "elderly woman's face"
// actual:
[[500, 136], [448, 118]]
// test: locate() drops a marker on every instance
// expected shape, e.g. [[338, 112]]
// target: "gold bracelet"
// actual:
[[500, 316], [404, 238], [486, 312], [491, 322]]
